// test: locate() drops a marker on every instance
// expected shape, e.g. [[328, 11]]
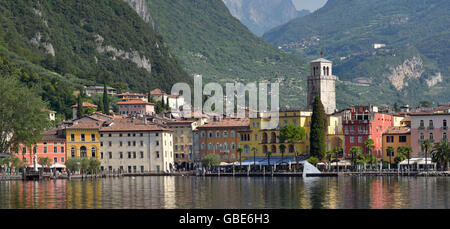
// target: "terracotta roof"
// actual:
[[131, 125], [85, 104], [86, 126], [406, 119], [228, 123], [157, 91], [179, 122], [134, 102], [52, 135], [174, 96], [124, 94], [397, 130]]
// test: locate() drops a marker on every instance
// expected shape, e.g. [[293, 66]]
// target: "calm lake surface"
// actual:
[[229, 193]]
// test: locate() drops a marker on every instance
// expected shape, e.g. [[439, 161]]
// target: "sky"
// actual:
[[310, 5]]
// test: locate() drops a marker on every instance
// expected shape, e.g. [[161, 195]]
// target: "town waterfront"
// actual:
[[359, 192]]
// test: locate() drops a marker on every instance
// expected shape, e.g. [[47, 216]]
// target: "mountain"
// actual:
[[209, 41], [262, 15], [75, 42], [384, 51]]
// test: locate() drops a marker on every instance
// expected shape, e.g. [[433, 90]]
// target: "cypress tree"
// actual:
[[80, 111], [105, 99], [318, 125]]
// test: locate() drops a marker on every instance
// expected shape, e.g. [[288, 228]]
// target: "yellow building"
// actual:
[[266, 139], [335, 134], [395, 136], [83, 139]]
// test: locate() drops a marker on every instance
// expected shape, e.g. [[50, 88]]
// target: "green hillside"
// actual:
[[412, 66], [79, 40], [209, 41]]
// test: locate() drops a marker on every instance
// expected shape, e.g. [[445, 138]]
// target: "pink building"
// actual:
[[361, 123], [431, 125], [136, 107], [51, 145]]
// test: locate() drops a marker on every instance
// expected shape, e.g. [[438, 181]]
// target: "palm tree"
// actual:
[[337, 150], [441, 153], [390, 151], [239, 150], [368, 144], [405, 150], [282, 148], [254, 149], [353, 152], [426, 147], [268, 154]]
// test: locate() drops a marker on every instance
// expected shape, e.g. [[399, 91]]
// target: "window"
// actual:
[[431, 123], [110, 155], [142, 135], [422, 123], [120, 155], [210, 134], [352, 139], [55, 149], [72, 152], [55, 160], [142, 169], [62, 159], [402, 138], [45, 149], [233, 146], [202, 146], [202, 135], [217, 146], [431, 136], [225, 134], [142, 154], [217, 134], [72, 137], [444, 124], [93, 137], [157, 154], [157, 143], [360, 139], [210, 147], [110, 143], [93, 151], [422, 137], [101, 155], [444, 136], [134, 154], [120, 143], [83, 137], [142, 143]]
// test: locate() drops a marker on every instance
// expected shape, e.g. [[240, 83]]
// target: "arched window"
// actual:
[[324, 71], [264, 138], [422, 137], [444, 124], [202, 146], [93, 151], [328, 71], [431, 136], [422, 123], [264, 149], [210, 147], [431, 123], [217, 134], [225, 134], [273, 137], [232, 134], [274, 149], [444, 136], [210, 134], [83, 151], [291, 149], [225, 146]]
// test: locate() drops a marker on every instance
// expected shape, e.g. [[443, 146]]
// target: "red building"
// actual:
[[361, 123], [51, 145]]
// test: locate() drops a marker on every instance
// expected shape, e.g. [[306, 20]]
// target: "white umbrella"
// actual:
[[58, 166], [37, 166]]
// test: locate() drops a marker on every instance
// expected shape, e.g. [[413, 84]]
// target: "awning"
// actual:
[[58, 166], [37, 166], [225, 164]]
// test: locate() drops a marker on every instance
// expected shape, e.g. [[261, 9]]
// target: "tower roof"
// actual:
[[321, 60]]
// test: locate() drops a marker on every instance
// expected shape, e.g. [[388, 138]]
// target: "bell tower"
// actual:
[[322, 83]]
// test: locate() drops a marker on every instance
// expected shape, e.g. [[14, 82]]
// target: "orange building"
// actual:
[[222, 138], [395, 136]]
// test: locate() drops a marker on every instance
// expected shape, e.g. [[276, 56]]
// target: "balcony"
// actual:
[[421, 128], [444, 128], [431, 127]]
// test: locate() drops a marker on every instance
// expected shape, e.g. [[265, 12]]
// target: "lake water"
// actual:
[[229, 193]]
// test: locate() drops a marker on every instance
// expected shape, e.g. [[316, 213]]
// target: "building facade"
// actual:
[[222, 138], [428, 125], [395, 136], [83, 139], [322, 83], [364, 122], [134, 146], [182, 142], [135, 107]]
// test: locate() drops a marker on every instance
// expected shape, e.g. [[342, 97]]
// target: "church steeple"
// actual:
[[322, 83]]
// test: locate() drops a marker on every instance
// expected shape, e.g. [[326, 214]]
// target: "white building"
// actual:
[[322, 83], [133, 146], [176, 101]]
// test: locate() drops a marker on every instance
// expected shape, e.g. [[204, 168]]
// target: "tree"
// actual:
[[268, 154], [292, 134], [354, 151], [16, 164], [441, 154], [210, 160], [424, 104], [337, 150], [239, 150], [22, 119], [84, 164], [390, 151], [45, 162], [406, 151], [254, 149], [426, 147], [94, 165], [313, 160], [395, 107], [80, 109], [318, 125], [73, 164], [105, 99], [368, 144], [282, 149]]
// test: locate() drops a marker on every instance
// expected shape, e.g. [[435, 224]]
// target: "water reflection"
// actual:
[[228, 193]]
